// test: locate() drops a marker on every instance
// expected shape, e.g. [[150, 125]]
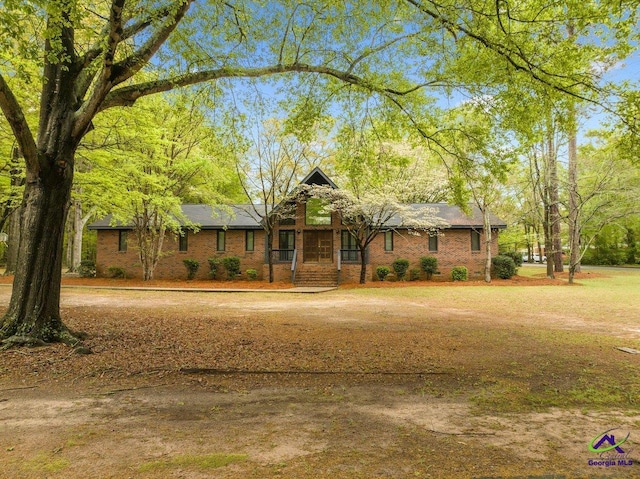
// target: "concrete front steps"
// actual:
[[316, 277]]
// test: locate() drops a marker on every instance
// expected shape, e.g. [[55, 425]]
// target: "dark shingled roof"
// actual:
[[243, 217], [453, 216], [207, 217]]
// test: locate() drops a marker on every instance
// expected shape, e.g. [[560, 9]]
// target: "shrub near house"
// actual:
[[311, 247]]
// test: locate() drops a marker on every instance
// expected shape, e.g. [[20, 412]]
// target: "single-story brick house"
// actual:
[[306, 250]]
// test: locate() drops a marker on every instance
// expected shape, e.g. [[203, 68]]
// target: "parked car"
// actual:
[[535, 258]]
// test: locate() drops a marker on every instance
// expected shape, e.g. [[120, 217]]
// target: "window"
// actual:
[[317, 212], [475, 240], [249, 238], [287, 221], [433, 243], [122, 240], [220, 240], [286, 245], [348, 247], [182, 241], [388, 240]]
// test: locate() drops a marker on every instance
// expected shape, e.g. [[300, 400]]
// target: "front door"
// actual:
[[318, 246]]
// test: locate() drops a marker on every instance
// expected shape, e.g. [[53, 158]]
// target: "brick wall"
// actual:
[[200, 246], [454, 249]]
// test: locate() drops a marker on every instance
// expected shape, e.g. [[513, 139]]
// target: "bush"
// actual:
[[87, 269], [382, 272], [414, 274], [503, 266], [515, 256], [459, 273], [192, 267], [252, 274], [232, 265], [116, 272], [429, 265], [400, 267], [214, 266]]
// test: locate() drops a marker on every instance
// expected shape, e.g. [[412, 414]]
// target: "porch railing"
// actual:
[[350, 255], [282, 255], [294, 265]]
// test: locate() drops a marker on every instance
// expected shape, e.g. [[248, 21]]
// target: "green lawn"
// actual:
[[532, 347]]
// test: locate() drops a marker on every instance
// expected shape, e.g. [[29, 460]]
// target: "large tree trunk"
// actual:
[[33, 314], [34, 309]]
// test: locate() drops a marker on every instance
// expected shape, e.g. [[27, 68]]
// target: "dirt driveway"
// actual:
[[344, 384]]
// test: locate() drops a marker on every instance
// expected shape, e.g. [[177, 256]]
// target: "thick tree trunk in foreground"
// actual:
[[34, 309]]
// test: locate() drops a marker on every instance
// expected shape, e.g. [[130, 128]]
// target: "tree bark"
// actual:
[[13, 243], [33, 314], [149, 248], [555, 256], [270, 253], [486, 222], [574, 203], [74, 236], [547, 236], [34, 309], [68, 234], [363, 264]]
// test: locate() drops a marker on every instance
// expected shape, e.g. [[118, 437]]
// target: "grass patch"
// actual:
[[44, 463], [511, 396], [203, 462], [561, 369]]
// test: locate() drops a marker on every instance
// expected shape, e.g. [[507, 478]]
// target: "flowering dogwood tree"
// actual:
[[370, 213]]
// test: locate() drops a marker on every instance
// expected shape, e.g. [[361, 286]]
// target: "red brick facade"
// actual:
[[309, 246], [200, 246], [454, 248]]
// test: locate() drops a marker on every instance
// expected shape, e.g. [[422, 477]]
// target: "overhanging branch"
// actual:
[[127, 96], [14, 115], [515, 57]]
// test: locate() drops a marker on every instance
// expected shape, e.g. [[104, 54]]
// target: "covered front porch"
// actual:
[[317, 257]]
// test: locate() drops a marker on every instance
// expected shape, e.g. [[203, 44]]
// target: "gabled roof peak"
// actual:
[[318, 177]]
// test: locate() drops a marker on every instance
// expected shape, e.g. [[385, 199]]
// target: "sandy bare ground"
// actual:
[[342, 384]]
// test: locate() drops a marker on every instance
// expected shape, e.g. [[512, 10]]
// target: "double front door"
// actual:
[[318, 246]]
